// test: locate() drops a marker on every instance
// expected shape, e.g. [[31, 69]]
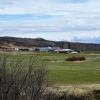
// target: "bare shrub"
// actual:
[[21, 79]]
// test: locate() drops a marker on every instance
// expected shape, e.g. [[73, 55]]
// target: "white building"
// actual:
[[66, 51], [16, 49], [53, 49], [44, 49]]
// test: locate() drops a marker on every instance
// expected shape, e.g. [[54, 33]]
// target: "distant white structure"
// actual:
[[32, 49], [66, 51], [16, 49], [44, 49], [74, 52], [47, 49]]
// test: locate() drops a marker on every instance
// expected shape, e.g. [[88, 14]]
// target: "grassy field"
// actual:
[[64, 72]]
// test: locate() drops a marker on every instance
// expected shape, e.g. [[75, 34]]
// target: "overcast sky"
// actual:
[[71, 20]]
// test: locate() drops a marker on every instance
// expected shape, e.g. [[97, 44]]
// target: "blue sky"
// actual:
[[70, 20]]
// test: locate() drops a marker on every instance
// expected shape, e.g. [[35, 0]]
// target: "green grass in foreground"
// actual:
[[64, 72]]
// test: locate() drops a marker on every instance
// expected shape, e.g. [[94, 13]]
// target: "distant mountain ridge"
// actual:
[[40, 42], [25, 42]]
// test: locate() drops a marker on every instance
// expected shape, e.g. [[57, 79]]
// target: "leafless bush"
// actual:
[[21, 79]]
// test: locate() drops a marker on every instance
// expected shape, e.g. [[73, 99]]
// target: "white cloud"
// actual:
[[63, 19]]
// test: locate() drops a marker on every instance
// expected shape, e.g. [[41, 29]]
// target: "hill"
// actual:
[[9, 42], [25, 42]]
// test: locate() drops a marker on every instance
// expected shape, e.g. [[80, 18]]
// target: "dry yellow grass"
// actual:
[[75, 90]]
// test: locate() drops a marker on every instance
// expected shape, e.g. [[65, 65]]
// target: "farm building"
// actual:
[[52, 49], [44, 49], [66, 51]]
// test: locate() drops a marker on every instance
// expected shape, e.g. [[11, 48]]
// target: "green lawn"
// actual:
[[61, 71], [64, 72]]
